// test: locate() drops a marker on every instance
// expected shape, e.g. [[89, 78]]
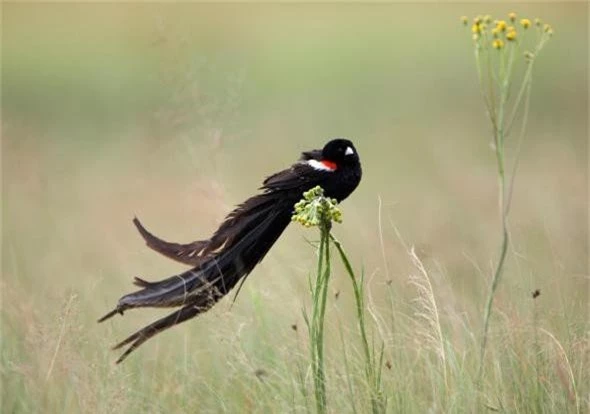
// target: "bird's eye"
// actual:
[[349, 151]]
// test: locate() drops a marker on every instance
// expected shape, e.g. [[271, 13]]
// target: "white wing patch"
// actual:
[[318, 165], [349, 151]]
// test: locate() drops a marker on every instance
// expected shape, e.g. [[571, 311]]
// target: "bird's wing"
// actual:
[[302, 176]]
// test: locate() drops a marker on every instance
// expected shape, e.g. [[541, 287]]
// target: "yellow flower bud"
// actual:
[[526, 23], [498, 44], [464, 20], [511, 35], [501, 24], [495, 32], [487, 18], [476, 28], [512, 16]]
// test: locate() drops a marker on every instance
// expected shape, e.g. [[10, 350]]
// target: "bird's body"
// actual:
[[240, 243]]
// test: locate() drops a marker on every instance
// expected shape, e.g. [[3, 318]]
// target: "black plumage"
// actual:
[[241, 242]]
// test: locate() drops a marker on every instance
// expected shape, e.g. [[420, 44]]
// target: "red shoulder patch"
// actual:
[[329, 164]]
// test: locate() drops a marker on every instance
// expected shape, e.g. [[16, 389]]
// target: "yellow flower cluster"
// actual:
[[497, 44], [316, 210], [501, 25], [498, 32]]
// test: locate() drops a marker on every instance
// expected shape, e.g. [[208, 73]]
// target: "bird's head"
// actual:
[[341, 152]]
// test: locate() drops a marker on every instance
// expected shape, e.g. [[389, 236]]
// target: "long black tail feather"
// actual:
[[183, 253], [110, 315], [139, 337], [238, 223], [229, 256], [177, 290]]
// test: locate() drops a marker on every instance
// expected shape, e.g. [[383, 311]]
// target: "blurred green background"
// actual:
[[176, 112]]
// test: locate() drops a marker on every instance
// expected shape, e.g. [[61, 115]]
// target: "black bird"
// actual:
[[240, 243]]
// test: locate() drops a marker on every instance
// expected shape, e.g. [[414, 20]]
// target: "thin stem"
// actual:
[[347, 368], [537, 348], [317, 326], [520, 141], [490, 299], [323, 300], [373, 377], [357, 297], [508, 81], [499, 148], [525, 84], [480, 78], [504, 194], [492, 114], [499, 139]]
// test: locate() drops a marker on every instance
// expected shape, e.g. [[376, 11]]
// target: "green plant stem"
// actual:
[[537, 349], [490, 299], [317, 325], [492, 95], [504, 192], [347, 370], [314, 209], [499, 138], [524, 88], [499, 147], [372, 374], [481, 83], [519, 145]]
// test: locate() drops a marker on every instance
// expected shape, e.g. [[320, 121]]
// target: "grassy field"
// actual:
[[175, 113]]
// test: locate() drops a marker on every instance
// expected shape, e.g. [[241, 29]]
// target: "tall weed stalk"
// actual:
[[500, 46]]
